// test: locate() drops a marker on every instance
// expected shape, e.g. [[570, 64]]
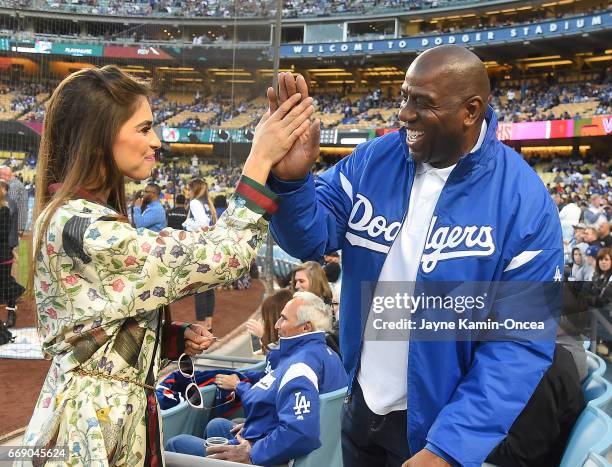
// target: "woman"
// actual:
[[100, 283], [201, 214], [270, 312], [10, 290], [599, 291], [310, 277]]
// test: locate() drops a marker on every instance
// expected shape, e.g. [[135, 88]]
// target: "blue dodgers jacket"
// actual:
[[282, 409], [494, 221]]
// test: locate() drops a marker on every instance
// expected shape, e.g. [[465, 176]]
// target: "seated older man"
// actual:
[[282, 409]]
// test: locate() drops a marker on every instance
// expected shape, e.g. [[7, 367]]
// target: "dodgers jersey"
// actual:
[[494, 221]]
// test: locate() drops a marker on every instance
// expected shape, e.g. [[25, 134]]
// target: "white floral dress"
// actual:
[[99, 286]]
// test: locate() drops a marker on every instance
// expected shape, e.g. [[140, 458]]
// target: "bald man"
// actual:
[[442, 199]]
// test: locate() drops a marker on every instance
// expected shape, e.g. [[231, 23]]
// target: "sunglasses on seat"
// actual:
[[192, 392]]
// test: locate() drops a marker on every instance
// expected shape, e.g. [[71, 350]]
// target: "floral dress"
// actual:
[[99, 287]]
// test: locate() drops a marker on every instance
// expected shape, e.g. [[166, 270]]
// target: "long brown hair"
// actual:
[[319, 285], [4, 195], [270, 312], [82, 120], [199, 190], [598, 272]]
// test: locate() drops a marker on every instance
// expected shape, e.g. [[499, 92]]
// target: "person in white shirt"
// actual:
[[201, 214]]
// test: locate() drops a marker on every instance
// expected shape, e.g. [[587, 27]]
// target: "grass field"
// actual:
[[25, 247]]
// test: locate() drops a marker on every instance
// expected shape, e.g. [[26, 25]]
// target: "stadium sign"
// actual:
[[144, 52], [506, 131], [5, 43], [77, 50], [518, 33]]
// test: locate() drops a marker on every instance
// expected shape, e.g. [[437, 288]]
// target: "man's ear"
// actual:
[[308, 326], [475, 107]]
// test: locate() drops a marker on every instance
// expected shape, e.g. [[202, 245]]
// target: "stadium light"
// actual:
[[535, 59], [601, 58], [552, 63]]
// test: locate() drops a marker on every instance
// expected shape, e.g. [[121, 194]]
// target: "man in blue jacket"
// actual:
[[154, 216], [440, 200], [282, 408]]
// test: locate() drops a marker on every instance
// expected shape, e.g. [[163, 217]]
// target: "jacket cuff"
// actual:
[[174, 339], [440, 453], [257, 197], [281, 186], [242, 387]]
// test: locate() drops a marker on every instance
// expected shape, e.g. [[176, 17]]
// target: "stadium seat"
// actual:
[[595, 364], [592, 433], [328, 455], [595, 460], [598, 392], [182, 418]]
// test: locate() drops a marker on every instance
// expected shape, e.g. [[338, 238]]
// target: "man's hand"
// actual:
[[228, 382], [297, 162], [138, 202], [425, 458], [230, 452], [197, 339]]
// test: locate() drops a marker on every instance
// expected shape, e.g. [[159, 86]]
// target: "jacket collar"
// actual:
[[290, 344]]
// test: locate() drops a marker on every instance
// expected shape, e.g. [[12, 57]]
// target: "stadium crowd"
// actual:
[[372, 108], [216, 8]]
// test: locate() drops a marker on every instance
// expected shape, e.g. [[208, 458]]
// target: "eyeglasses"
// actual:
[[192, 392]]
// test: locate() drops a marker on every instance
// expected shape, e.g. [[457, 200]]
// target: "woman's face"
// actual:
[[605, 263], [135, 145], [302, 284], [577, 257]]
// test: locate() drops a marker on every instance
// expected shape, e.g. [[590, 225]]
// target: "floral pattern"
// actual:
[[99, 284]]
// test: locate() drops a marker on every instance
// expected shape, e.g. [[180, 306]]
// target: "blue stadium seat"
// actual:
[[592, 433], [598, 392], [183, 419], [595, 460], [328, 455], [595, 364]]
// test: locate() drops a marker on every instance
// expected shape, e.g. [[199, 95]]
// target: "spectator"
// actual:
[[581, 270], [201, 214], [19, 195], [178, 214], [270, 313], [10, 290], [154, 215], [277, 428], [310, 277], [605, 237]]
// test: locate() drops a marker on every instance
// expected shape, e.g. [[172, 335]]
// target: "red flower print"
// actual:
[[52, 313], [129, 261], [118, 285], [216, 257], [146, 247], [233, 262], [71, 280], [50, 249], [44, 286]]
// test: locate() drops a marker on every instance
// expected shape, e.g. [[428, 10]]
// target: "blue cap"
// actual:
[[592, 250]]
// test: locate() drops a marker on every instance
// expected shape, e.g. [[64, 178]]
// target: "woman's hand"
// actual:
[[275, 135], [197, 339], [228, 382], [255, 327]]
